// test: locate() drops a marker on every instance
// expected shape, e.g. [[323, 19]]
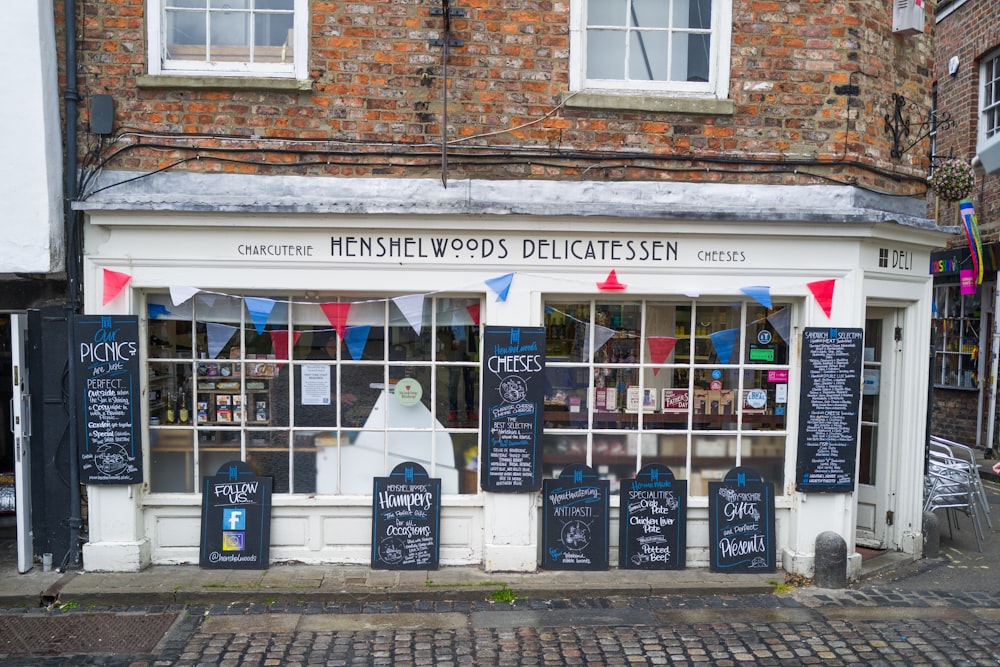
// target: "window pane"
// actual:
[[185, 29], [286, 5], [605, 54], [607, 12], [712, 456], [198, 4], [765, 396], [764, 343], [692, 14], [648, 55], [559, 450], [567, 331], [766, 455], [650, 14]]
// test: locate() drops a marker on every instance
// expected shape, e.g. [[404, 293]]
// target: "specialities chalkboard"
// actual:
[[830, 410], [652, 520], [741, 523], [575, 520], [406, 512], [235, 519], [107, 360], [513, 402]]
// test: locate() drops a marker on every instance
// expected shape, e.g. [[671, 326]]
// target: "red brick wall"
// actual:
[[377, 92], [954, 415]]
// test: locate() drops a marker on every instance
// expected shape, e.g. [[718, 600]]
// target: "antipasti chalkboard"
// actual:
[[829, 416], [652, 520], [741, 523], [575, 520], [406, 511], [235, 518], [513, 401], [107, 361]]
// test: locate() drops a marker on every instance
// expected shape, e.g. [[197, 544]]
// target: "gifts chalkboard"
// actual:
[[829, 415], [741, 523], [235, 518], [513, 402], [107, 359], [406, 511], [575, 520], [652, 520]]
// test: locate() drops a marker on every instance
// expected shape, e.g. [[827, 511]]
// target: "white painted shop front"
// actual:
[[415, 271]]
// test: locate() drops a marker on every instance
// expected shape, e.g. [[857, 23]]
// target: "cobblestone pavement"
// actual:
[[807, 626]]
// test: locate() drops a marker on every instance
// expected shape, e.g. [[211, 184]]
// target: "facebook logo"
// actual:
[[233, 519]]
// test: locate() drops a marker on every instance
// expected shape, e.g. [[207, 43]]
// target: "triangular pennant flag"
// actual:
[[337, 314], [823, 291], [611, 283], [355, 338], [602, 335], [660, 348], [723, 342], [759, 293], [114, 283], [412, 307], [218, 336], [207, 298], [473, 309], [279, 342], [156, 309], [260, 309], [501, 285], [179, 295], [782, 323]]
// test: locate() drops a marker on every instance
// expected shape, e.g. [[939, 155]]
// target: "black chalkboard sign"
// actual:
[[406, 514], [235, 518], [652, 520], [575, 520], [513, 402], [741, 523], [107, 360], [830, 410]]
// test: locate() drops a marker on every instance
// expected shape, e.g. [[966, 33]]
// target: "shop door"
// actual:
[[882, 351], [20, 426]]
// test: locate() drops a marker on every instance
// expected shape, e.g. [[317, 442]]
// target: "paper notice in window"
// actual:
[[316, 385]]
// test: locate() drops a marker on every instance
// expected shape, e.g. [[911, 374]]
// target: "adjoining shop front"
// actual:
[[411, 268]]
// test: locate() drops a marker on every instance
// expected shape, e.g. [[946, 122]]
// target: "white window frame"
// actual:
[[989, 73], [159, 65], [717, 86]]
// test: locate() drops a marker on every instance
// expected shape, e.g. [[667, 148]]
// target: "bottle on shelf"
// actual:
[[182, 409], [171, 409]]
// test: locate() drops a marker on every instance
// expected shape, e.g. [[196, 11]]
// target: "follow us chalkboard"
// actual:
[[406, 515], [235, 518], [741, 523], [107, 365], [575, 520], [652, 520], [830, 410], [513, 401]]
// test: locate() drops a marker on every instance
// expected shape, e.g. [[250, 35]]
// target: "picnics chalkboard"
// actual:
[[235, 518], [741, 523], [829, 412], [652, 520], [406, 514], [575, 520], [107, 364], [513, 402]]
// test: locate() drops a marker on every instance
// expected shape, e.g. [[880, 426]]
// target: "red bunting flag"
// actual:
[[337, 314], [114, 283], [279, 342], [473, 310], [660, 348], [823, 291], [611, 284]]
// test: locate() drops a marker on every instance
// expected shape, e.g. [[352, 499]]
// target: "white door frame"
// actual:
[[20, 424]]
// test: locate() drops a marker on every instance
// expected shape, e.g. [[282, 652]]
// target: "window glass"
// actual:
[[991, 96]]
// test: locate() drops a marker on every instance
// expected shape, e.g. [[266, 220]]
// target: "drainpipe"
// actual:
[[71, 231]]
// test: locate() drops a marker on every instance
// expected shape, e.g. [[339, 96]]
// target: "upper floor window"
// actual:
[[990, 97], [668, 46], [228, 37]]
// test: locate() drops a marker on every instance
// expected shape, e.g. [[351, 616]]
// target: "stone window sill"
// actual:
[[589, 99], [188, 81]]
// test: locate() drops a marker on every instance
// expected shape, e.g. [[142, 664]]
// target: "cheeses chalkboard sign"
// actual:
[[741, 523], [652, 519], [830, 412], [575, 520], [235, 518], [107, 359], [406, 511], [513, 401]]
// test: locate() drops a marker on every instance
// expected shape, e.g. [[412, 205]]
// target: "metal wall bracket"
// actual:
[[898, 125]]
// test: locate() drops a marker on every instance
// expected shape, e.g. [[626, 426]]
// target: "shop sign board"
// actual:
[[107, 377], [513, 405], [575, 520], [406, 519], [235, 518], [830, 412], [652, 520], [741, 523]]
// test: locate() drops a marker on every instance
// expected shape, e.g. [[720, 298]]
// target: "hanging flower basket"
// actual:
[[953, 180]]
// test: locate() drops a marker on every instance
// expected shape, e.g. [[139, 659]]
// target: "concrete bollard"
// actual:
[[831, 561], [932, 535]]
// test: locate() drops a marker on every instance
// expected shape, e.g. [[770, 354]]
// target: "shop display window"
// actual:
[[695, 385], [318, 407], [957, 323]]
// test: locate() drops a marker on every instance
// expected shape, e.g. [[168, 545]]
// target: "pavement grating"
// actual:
[[104, 633]]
